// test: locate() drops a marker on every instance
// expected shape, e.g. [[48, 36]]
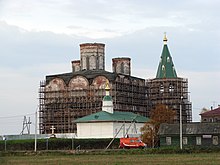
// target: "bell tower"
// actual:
[[169, 89]]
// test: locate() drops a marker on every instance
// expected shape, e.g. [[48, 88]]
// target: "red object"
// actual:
[[132, 142]]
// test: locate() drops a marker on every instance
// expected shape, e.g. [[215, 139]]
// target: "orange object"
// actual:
[[131, 142]]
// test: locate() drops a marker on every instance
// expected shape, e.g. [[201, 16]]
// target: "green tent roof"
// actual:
[[117, 116], [166, 67]]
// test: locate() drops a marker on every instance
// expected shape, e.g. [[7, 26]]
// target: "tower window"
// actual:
[[171, 88], [161, 88]]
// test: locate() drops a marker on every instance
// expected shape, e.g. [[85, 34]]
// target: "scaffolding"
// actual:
[[171, 92], [59, 108]]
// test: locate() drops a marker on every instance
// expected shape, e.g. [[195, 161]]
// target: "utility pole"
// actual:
[[35, 138], [4, 138], [181, 124]]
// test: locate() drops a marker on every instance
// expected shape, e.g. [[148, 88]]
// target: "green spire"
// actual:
[[166, 67]]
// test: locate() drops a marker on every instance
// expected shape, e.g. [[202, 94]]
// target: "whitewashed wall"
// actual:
[[105, 129], [95, 130]]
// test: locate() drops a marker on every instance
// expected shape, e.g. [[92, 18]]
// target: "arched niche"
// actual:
[[100, 82], [92, 62], [78, 83], [57, 84], [101, 62]]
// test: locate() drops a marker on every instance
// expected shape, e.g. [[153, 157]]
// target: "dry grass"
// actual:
[[152, 159]]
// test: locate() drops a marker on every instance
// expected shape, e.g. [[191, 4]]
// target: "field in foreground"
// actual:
[[152, 159]]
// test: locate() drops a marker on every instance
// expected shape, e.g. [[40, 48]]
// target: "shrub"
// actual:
[[57, 144]]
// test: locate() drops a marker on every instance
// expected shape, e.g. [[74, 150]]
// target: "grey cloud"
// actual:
[[21, 47], [190, 49]]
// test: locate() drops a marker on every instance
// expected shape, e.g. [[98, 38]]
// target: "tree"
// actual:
[[160, 114], [148, 134]]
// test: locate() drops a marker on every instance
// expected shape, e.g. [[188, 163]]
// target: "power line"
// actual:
[[28, 114]]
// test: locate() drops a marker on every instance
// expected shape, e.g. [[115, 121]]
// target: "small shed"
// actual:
[[194, 134], [107, 125]]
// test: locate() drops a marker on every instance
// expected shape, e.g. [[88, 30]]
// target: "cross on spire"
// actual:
[[165, 38]]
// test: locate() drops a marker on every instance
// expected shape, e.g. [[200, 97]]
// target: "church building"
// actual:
[[66, 97]]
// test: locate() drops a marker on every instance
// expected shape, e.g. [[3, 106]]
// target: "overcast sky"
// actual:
[[41, 37]]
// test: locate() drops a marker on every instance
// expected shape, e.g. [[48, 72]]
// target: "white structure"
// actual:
[[107, 129], [109, 123], [107, 103]]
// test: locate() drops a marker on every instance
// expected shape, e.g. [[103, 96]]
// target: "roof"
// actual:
[[214, 112], [166, 67], [190, 129], [116, 116], [89, 74]]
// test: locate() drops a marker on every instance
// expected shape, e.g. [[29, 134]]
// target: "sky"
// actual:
[[42, 37]]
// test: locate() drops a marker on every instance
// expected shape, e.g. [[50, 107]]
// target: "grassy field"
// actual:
[[150, 159]]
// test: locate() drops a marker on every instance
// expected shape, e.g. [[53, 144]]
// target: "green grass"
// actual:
[[84, 159]]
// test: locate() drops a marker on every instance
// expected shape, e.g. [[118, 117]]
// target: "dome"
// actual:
[[107, 98]]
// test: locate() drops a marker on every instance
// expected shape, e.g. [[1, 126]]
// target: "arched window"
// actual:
[[171, 88], [92, 63], [122, 67], [84, 63], [161, 88]]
